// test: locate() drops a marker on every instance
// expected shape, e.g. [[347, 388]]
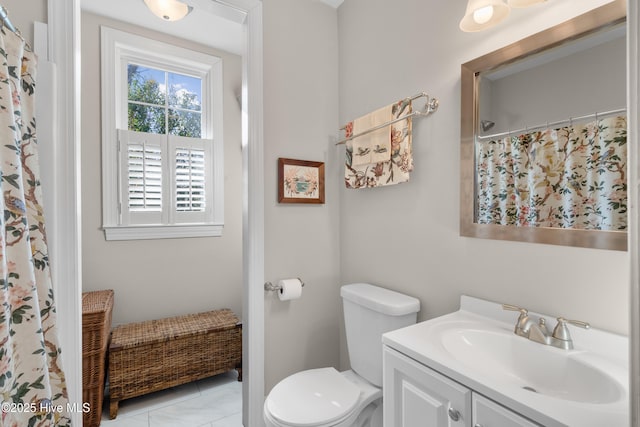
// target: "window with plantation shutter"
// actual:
[[162, 140]]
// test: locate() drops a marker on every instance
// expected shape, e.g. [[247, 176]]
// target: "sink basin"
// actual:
[[475, 346], [531, 366]]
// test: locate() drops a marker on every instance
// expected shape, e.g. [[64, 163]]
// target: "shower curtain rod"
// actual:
[[6, 22], [552, 124], [4, 16]]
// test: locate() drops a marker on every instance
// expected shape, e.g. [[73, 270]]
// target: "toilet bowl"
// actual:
[[327, 398], [323, 398]]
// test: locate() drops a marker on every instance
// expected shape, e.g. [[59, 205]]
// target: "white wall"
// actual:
[[406, 237], [159, 278], [301, 102]]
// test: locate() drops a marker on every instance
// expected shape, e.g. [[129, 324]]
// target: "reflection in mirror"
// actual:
[[544, 136], [578, 78]]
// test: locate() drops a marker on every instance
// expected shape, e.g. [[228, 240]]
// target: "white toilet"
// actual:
[[328, 398]]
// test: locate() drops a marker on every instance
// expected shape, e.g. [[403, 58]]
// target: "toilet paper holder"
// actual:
[[268, 286]]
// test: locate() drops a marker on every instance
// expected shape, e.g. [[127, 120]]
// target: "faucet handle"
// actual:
[[561, 332], [583, 325], [523, 311], [522, 324]]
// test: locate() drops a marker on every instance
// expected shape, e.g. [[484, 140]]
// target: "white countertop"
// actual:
[[606, 351]]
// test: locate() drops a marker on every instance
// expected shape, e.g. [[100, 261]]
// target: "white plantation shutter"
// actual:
[[190, 180], [142, 186], [168, 180], [144, 177]]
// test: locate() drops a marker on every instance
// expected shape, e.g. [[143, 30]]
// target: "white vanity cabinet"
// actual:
[[487, 413], [418, 396]]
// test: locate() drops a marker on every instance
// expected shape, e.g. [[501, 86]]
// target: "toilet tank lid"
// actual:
[[380, 299]]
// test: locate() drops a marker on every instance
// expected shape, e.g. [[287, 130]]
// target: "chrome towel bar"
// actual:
[[431, 105]]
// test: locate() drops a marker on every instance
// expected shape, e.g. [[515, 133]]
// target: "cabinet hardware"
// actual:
[[454, 414]]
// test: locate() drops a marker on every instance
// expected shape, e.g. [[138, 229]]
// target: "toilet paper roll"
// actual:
[[289, 289]]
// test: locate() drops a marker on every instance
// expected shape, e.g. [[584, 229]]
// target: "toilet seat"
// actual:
[[312, 398]]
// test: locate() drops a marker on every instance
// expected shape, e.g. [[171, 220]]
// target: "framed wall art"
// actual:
[[300, 181]]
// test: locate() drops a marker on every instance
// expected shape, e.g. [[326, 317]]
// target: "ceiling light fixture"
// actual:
[[524, 3], [483, 14], [168, 10]]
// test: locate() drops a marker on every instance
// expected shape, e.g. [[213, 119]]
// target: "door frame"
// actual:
[[65, 229], [633, 86]]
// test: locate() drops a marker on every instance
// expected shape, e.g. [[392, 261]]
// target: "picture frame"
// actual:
[[300, 181]]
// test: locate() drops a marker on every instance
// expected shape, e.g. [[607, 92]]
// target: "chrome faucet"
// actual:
[[561, 337], [524, 323], [538, 332]]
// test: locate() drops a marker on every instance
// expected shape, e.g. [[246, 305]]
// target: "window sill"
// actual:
[[147, 232]]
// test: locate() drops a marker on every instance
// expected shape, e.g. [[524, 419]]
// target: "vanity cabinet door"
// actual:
[[417, 396], [487, 413]]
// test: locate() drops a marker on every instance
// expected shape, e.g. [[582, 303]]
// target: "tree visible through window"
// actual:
[[163, 102], [157, 98]]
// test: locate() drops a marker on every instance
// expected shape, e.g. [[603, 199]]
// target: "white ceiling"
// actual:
[[210, 23]]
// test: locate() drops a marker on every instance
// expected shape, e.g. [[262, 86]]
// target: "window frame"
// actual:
[[118, 48]]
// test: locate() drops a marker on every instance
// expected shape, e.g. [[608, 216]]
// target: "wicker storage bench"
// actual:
[[96, 325], [157, 354]]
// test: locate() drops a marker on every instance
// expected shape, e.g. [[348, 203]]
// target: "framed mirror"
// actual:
[[543, 136]]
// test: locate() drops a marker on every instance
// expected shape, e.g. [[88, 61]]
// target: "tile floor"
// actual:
[[212, 402]]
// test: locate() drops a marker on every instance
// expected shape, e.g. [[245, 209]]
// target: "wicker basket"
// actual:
[[157, 354], [96, 325]]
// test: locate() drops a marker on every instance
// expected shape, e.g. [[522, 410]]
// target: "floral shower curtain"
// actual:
[[570, 177], [32, 383]]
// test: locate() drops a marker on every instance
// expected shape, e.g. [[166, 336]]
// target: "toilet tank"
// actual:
[[369, 312]]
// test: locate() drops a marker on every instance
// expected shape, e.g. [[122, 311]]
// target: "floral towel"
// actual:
[[394, 171], [375, 146]]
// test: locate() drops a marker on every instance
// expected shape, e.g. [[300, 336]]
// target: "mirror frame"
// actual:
[[609, 15]]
